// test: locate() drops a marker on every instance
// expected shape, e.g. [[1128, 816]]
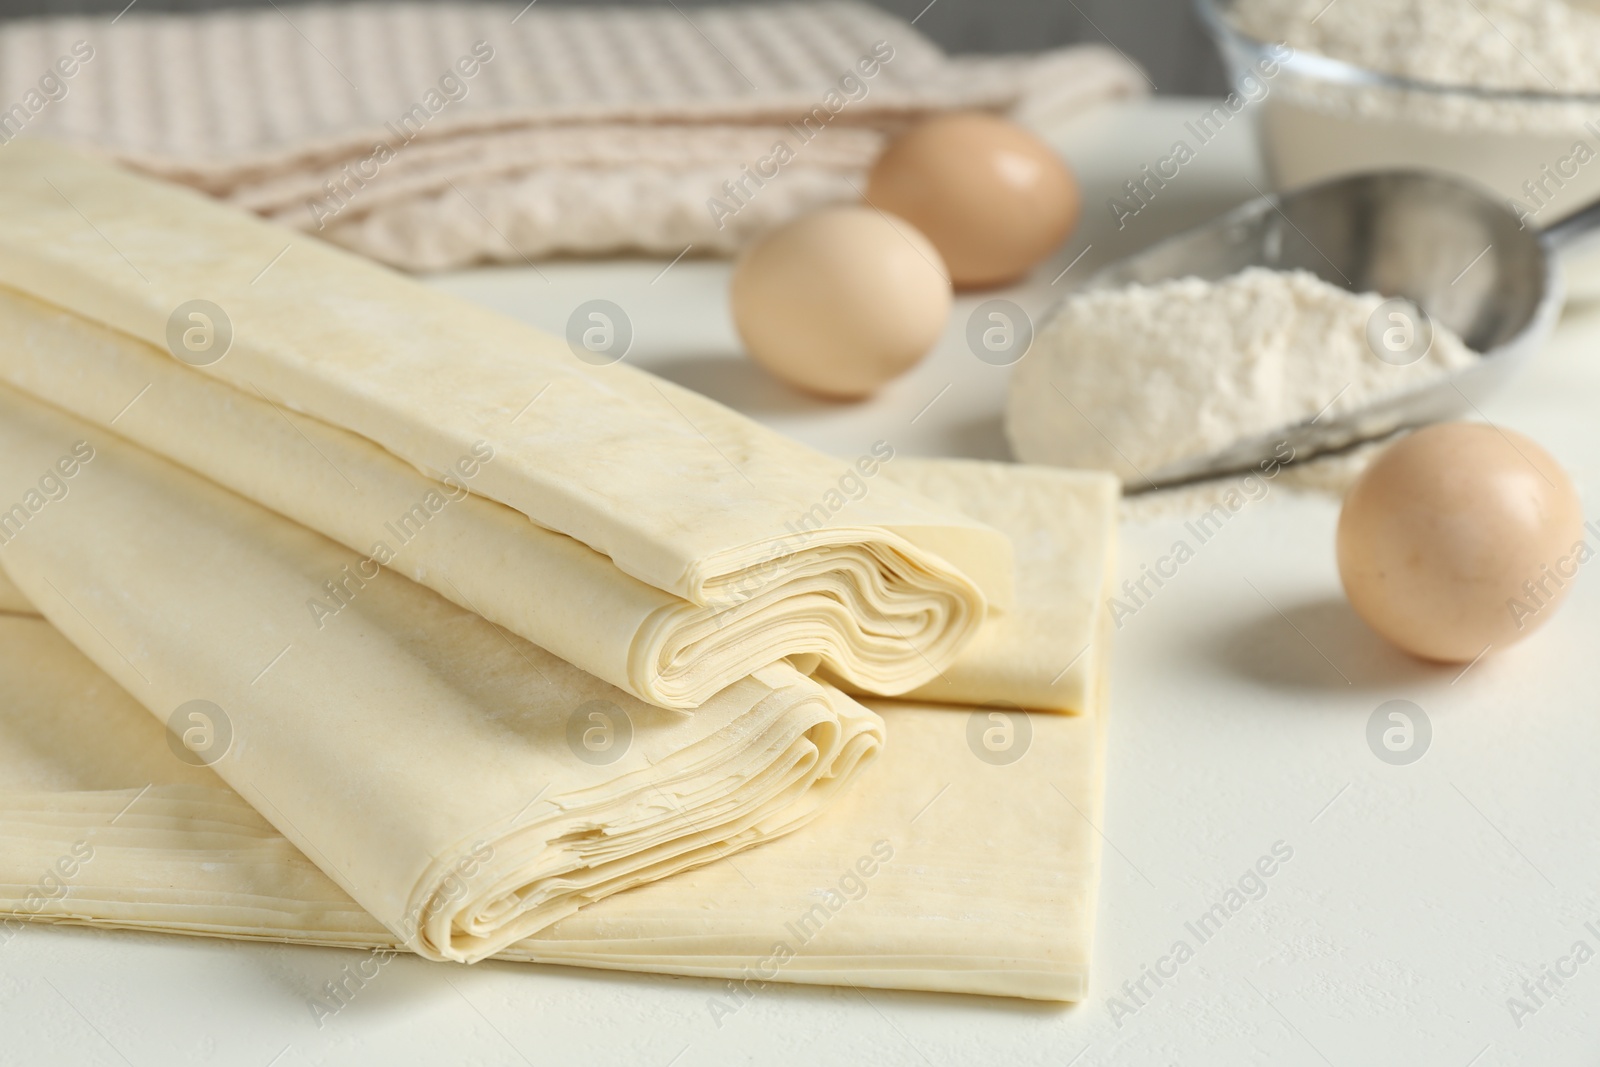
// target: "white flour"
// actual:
[[1547, 46], [1537, 150], [1130, 380]]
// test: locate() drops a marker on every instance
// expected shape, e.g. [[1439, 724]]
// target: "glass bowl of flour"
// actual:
[[1505, 93]]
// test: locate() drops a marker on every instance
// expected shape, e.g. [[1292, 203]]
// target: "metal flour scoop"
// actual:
[[1458, 253]]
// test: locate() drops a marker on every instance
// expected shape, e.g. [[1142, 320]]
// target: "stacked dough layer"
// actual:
[[490, 760], [522, 479], [937, 869], [467, 788]]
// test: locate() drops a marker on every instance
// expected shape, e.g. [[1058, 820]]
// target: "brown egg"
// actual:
[[993, 198], [840, 301], [1460, 538]]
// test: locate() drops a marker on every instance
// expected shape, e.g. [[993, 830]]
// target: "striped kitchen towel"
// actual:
[[433, 136]]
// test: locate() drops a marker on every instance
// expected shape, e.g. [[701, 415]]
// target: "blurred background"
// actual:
[[1163, 36]]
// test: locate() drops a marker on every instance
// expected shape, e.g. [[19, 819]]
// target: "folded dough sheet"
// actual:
[[466, 787], [426, 433], [964, 859], [1063, 530]]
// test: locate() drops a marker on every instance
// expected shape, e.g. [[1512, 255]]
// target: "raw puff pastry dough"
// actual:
[[442, 773], [471, 550], [675, 490], [1063, 530], [989, 887]]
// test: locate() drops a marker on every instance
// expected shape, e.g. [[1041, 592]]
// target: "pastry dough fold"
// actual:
[[670, 490], [466, 787], [1063, 530], [864, 614], [989, 886]]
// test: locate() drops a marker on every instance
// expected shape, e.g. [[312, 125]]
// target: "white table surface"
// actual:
[[1417, 901]]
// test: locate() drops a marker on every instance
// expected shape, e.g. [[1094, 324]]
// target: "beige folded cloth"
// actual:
[[701, 545], [434, 135], [965, 859], [466, 787]]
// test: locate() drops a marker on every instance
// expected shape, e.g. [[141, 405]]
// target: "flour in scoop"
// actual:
[[1130, 380]]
